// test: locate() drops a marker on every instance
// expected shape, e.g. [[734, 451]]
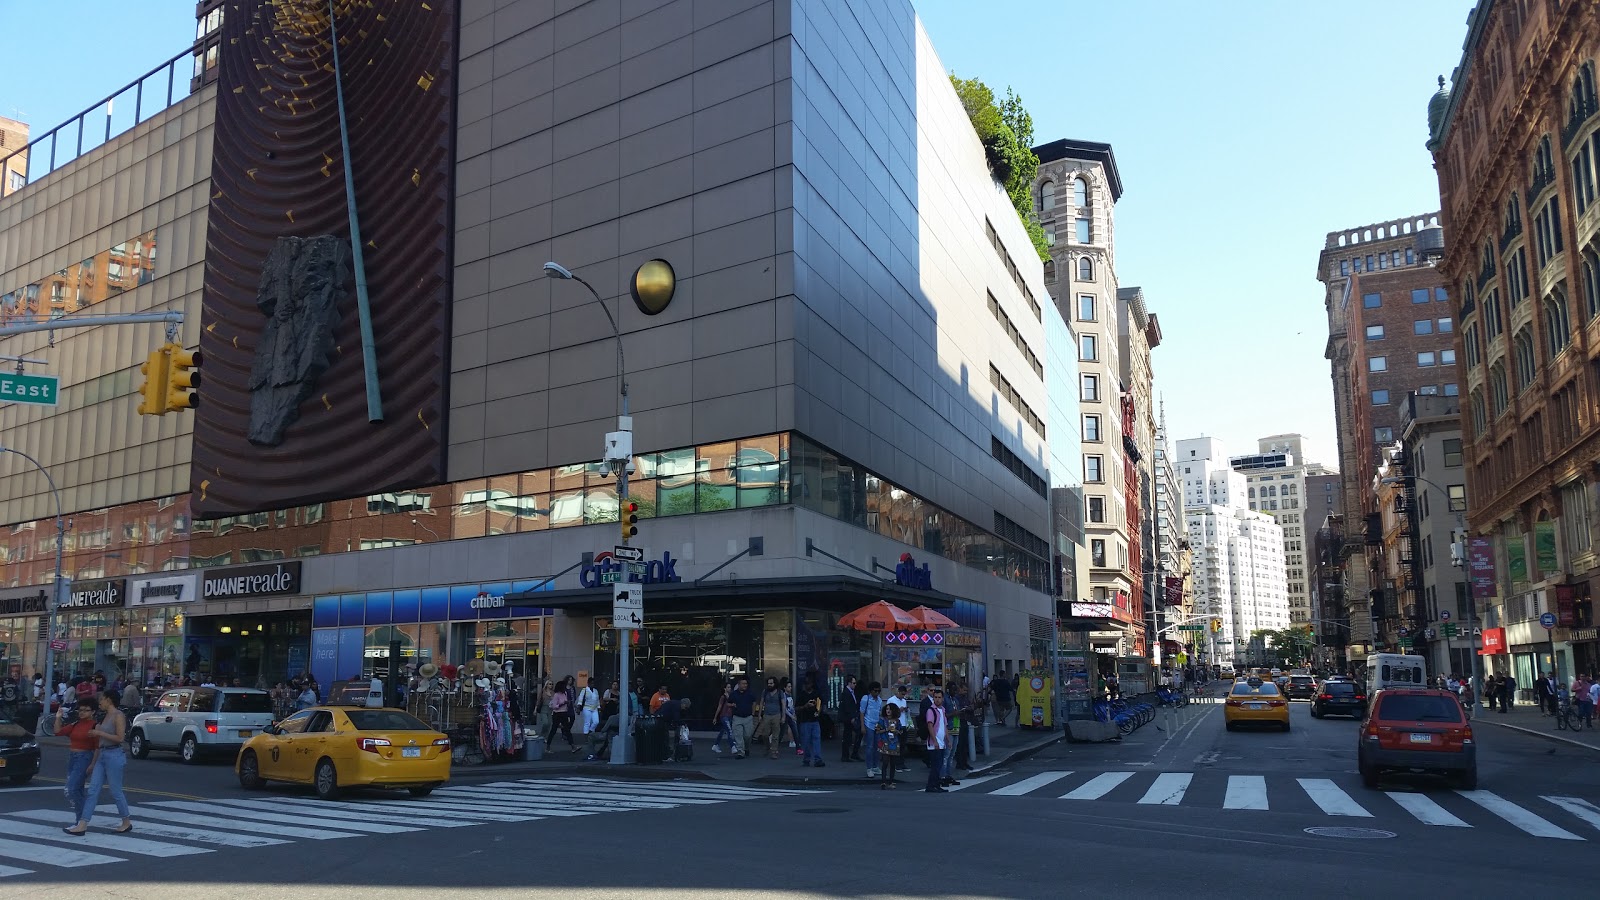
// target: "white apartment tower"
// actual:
[[1239, 572], [1275, 477]]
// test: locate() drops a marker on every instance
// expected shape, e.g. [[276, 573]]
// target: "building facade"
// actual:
[[13, 146], [819, 419], [1276, 484], [1516, 144]]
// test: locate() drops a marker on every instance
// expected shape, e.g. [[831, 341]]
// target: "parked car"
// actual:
[[200, 721], [1417, 730], [1339, 697], [19, 752], [336, 747]]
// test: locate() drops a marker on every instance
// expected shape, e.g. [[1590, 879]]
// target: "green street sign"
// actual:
[[1405, 643], [1449, 629], [1191, 628], [39, 390], [610, 577]]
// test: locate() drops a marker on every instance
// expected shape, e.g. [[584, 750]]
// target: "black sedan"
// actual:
[[1339, 698], [19, 752]]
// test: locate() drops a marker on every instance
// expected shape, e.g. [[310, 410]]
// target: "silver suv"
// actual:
[[199, 720]]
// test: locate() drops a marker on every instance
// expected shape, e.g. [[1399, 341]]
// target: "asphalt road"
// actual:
[[1189, 810]]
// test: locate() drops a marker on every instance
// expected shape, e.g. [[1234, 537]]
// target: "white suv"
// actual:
[[198, 720]]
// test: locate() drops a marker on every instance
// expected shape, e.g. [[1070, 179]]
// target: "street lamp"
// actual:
[[53, 600], [652, 287]]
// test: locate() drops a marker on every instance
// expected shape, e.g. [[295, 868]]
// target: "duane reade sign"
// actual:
[[251, 581], [161, 591]]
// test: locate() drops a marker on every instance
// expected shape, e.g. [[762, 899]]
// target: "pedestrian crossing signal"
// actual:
[[630, 520]]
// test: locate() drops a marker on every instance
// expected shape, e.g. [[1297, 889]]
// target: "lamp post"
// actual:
[[53, 600], [652, 288]]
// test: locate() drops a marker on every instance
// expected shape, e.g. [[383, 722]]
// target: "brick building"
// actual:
[[1516, 143]]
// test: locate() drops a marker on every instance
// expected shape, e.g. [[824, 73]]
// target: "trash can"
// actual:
[[533, 747], [651, 741]]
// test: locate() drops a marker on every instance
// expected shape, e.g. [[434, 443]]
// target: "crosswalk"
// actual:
[[31, 840], [1542, 816]]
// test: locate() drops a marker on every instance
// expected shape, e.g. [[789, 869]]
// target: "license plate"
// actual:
[[1255, 706], [245, 732], [411, 752], [1421, 738]]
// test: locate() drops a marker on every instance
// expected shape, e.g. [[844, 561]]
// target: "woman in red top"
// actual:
[[82, 745]]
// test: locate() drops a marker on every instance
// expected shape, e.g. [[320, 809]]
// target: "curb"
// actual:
[[1541, 734]]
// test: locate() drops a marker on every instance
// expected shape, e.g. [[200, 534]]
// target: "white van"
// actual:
[[1387, 670]]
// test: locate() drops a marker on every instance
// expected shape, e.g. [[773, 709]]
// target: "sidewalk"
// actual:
[[1005, 745], [1525, 717]]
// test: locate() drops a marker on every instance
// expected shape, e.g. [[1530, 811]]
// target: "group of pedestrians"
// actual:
[[96, 733]]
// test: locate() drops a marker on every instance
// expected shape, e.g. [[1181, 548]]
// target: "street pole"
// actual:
[[53, 599]]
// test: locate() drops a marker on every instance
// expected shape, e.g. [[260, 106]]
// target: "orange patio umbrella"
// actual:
[[879, 616], [932, 619]]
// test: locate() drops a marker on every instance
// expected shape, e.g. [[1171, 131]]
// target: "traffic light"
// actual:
[[154, 389], [1216, 625], [181, 377], [630, 520]]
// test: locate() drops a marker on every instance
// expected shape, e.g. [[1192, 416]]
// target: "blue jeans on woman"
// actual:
[[107, 772], [77, 775], [811, 743], [724, 730], [872, 748]]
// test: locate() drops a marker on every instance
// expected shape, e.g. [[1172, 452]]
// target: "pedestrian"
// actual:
[[1468, 699], [543, 716], [769, 725], [885, 742], [870, 713], [109, 762], [722, 717], [560, 716], [1490, 690], [791, 720], [589, 706], [131, 700], [78, 729], [307, 698], [659, 699], [1544, 694], [1508, 692], [947, 775], [1581, 699], [937, 738], [808, 711], [1594, 693], [1000, 690], [849, 722], [742, 728]]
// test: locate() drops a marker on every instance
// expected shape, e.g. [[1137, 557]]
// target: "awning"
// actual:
[[831, 593]]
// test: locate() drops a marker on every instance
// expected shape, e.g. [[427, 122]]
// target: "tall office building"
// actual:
[[1275, 478]]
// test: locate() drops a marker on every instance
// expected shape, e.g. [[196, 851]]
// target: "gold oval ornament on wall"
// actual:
[[652, 286]]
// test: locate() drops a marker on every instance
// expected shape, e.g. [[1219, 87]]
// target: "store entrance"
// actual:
[[256, 650]]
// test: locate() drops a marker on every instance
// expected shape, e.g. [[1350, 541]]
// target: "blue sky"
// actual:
[[1242, 139]]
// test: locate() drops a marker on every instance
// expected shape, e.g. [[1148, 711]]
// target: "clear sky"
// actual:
[[1244, 132]]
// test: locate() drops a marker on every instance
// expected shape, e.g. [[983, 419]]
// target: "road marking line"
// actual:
[[1426, 811], [556, 788], [512, 799], [1168, 789], [8, 871], [215, 807], [101, 840], [36, 787], [198, 835], [699, 786], [326, 810], [1518, 816], [482, 812], [1029, 784], [665, 792], [1583, 809], [493, 811], [1246, 792], [210, 820], [44, 854], [1331, 799], [1098, 786], [431, 812], [972, 782]]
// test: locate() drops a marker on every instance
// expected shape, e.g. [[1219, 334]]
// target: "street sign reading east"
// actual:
[[39, 390]]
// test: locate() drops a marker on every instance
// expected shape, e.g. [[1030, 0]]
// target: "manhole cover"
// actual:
[[1345, 831], [823, 810]]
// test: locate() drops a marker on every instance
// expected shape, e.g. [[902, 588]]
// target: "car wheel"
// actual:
[[250, 772], [137, 748], [1315, 714], [421, 791], [1369, 776], [327, 780], [1230, 726], [189, 750], [1286, 726], [19, 780], [1468, 780]]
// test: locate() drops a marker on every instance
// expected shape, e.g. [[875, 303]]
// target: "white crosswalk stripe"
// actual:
[[178, 828], [1331, 799], [1518, 816], [1168, 789], [972, 782], [1583, 809], [1246, 792], [1426, 811], [1030, 783], [1098, 786]]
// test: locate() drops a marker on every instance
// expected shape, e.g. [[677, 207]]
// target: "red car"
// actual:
[[1417, 730]]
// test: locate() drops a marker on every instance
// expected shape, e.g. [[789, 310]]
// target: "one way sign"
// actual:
[[627, 605]]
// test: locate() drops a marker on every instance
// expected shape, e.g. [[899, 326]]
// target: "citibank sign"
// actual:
[[656, 571]]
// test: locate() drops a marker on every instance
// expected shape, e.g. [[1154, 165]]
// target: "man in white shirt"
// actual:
[[589, 702], [938, 737]]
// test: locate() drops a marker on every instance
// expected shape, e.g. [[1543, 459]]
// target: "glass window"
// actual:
[[1377, 364], [1374, 332], [1452, 389], [1091, 428], [1426, 358], [1085, 269], [1452, 451], [1421, 295], [1371, 301], [1422, 326], [1447, 357], [1047, 195], [1458, 497], [1428, 390], [1094, 468], [1097, 553], [1446, 325], [1083, 231], [1091, 388], [1087, 348], [1380, 397], [1049, 234], [1383, 435], [1080, 192], [1097, 509], [1086, 307]]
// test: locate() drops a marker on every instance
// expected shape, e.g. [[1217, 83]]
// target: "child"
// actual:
[[887, 737]]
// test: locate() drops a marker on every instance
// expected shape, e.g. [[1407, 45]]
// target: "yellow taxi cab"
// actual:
[[1254, 701], [336, 747]]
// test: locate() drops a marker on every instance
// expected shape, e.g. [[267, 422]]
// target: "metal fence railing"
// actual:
[[142, 98]]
